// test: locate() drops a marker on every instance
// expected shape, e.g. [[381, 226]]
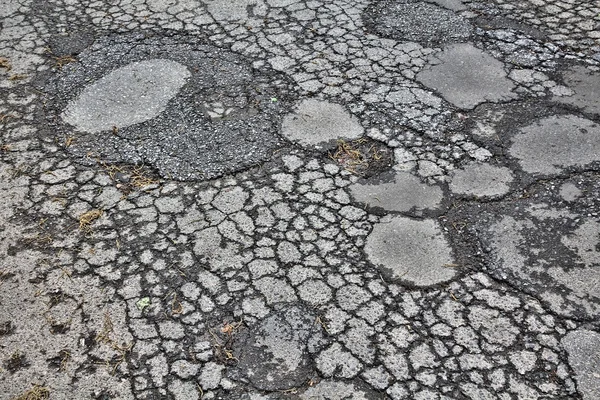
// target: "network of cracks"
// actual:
[[279, 199]]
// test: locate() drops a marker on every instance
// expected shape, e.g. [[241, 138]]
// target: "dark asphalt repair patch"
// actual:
[[417, 21], [209, 112]]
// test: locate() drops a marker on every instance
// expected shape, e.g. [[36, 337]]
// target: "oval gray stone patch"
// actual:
[[467, 76], [127, 96], [404, 193], [189, 110], [315, 122], [410, 250], [481, 180], [549, 145]]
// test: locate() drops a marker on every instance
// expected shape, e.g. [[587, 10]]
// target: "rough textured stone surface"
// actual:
[[418, 21], [315, 122], [553, 143], [467, 76], [411, 251], [128, 95]]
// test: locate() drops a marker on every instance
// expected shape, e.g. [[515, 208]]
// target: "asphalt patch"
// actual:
[[198, 112], [417, 21]]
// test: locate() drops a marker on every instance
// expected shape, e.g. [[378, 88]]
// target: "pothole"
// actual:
[[190, 110], [363, 157]]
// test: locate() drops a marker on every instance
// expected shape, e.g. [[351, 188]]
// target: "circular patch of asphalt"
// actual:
[[412, 251], [481, 180], [552, 144], [416, 21], [190, 110]]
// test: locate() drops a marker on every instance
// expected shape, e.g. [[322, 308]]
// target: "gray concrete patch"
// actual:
[[418, 21], [126, 96], [586, 87], [411, 251], [314, 122], [547, 146], [404, 193], [467, 76], [569, 191], [481, 180], [274, 355], [583, 347]]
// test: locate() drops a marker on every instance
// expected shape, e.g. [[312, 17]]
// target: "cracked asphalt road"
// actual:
[[300, 199]]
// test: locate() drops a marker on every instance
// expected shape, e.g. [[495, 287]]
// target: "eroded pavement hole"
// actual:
[[363, 157], [190, 110]]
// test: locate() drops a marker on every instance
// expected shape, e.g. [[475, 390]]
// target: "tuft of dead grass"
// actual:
[[230, 328], [5, 117], [107, 329], [87, 218], [223, 341], [105, 337], [61, 61], [4, 63], [37, 392], [140, 180], [349, 155], [65, 356], [129, 178], [361, 156], [17, 77], [39, 239]]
